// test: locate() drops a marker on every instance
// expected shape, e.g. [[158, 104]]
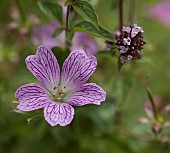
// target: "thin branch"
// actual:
[[67, 24]]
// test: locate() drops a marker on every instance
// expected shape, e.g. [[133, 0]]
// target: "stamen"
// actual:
[[60, 92]]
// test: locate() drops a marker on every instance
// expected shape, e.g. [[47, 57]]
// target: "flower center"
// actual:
[[58, 94]]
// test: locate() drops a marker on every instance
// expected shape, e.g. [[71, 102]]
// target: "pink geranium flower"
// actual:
[[42, 34], [160, 11], [58, 93]]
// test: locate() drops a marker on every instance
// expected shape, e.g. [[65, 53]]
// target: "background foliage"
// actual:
[[109, 128]]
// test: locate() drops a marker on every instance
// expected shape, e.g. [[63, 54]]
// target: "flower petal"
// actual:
[[31, 96], [56, 113], [44, 67], [77, 68], [143, 120], [89, 93]]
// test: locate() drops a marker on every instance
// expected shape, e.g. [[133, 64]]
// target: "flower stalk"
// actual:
[[21, 11], [152, 101]]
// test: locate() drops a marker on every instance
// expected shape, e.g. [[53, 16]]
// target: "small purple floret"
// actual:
[[58, 93]]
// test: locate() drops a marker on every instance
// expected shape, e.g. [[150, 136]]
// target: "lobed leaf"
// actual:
[[120, 64]]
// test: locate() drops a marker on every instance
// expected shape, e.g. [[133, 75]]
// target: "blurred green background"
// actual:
[[109, 128]]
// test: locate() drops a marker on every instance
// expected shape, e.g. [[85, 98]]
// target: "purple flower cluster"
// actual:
[[59, 92], [130, 43]]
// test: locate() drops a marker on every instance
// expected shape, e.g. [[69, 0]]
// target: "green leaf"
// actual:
[[60, 54], [68, 2], [71, 20], [152, 1], [120, 64], [88, 27], [69, 36], [57, 32], [52, 9], [85, 10]]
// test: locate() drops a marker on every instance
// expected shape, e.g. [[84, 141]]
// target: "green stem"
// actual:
[[152, 101], [21, 11]]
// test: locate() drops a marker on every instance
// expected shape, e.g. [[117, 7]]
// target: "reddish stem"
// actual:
[[120, 15]]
